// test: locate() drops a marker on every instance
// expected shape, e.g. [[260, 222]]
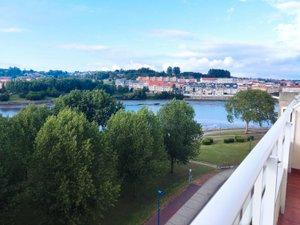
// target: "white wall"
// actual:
[[296, 146]]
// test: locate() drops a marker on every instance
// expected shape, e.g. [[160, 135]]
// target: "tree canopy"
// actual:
[[218, 73], [137, 139], [73, 174], [179, 130], [97, 105], [252, 106]]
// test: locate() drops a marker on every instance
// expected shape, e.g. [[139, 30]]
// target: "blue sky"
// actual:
[[247, 37]]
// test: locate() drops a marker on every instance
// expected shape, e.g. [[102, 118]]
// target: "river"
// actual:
[[211, 114]]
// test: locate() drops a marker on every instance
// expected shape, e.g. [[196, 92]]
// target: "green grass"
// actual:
[[16, 98], [135, 210], [220, 153]]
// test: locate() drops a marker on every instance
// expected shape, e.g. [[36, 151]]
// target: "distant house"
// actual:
[[4, 81]]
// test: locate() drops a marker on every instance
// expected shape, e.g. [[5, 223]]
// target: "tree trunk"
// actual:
[[172, 165], [247, 128]]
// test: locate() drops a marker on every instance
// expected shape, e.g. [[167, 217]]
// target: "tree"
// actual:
[[176, 71], [179, 130], [11, 166], [251, 106], [29, 121], [218, 73], [137, 139], [73, 174], [169, 71], [97, 105], [17, 136]]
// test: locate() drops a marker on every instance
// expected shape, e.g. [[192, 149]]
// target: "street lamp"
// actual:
[[160, 193], [190, 176]]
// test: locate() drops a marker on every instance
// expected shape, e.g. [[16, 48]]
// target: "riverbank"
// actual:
[[23, 103]]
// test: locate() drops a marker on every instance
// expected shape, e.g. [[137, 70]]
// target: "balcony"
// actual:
[[265, 188]]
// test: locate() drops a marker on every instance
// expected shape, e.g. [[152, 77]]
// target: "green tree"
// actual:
[[97, 105], [251, 106], [170, 71], [180, 130], [28, 122], [17, 136], [73, 174], [137, 139], [176, 71], [11, 164]]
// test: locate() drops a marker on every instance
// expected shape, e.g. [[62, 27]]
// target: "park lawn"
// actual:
[[15, 98], [136, 210], [220, 153]]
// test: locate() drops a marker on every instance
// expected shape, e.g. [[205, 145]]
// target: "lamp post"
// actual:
[[160, 193], [190, 176]]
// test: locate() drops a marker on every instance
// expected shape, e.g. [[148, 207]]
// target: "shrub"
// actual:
[[35, 95], [250, 138], [4, 97], [228, 140], [207, 141], [239, 139]]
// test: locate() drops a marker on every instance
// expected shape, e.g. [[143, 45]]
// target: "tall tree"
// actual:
[[29, 121], [73, 174], [176, 71], [170, 71], [252, 106], [11, 164], [180, 131], [137, 139], [97, 105], [17, 136]]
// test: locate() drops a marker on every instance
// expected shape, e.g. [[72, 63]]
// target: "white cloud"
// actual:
[[112, 66], [172, 33], [288, 32], [84, 47], [11, 30]]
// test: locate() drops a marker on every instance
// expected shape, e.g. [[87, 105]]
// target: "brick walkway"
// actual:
[[176, 203]]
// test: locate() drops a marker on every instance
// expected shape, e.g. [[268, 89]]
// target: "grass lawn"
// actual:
[[135, 210], [220, 153], [16, 98]]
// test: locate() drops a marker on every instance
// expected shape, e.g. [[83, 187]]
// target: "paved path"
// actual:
[[205, 164], [177, 202], [193, 206]]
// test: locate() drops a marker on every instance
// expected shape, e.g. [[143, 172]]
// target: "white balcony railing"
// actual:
[[255, 192]]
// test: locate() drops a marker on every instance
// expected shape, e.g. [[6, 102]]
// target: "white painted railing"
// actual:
[[255, 192]]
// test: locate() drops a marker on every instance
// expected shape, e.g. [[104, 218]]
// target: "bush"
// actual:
[[4, 97], [239, 139], [228, 140], [35, 95], [250, 138], [207, 141]]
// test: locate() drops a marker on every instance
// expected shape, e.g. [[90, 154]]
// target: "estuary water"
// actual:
[[211, 114]]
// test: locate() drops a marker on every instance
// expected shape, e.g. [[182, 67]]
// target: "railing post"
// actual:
[[257, 200], [285, 164], [268, 212]]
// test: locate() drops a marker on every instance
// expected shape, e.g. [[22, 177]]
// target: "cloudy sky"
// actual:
[[248, 37]]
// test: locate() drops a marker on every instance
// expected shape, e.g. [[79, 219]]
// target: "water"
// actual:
[[211, 114]]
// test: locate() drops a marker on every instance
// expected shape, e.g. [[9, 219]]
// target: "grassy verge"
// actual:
[[220, 153], [135, 210]]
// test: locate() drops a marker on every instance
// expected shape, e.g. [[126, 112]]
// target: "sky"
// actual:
[[253, 38]]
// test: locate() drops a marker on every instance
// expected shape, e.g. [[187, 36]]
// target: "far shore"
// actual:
[[21, 104]]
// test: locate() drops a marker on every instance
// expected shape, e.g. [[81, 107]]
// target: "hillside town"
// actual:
[[217, 84], [205, 88]]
